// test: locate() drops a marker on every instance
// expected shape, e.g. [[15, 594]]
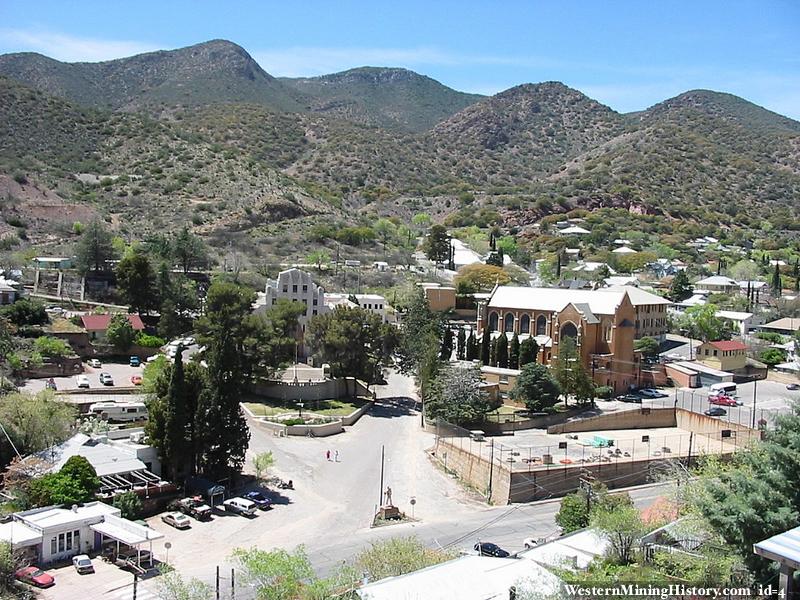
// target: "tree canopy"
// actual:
[[457, 396], [536, 387]]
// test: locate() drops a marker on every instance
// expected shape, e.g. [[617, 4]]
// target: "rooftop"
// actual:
[[717, 280], [105, 458], [46, 518], [603, 302], [783, 548], [787, 324], [576, 549], [465, 578], [101, 322], [638, 296], [728, 345]]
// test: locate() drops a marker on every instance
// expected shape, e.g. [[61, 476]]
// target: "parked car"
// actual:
[[106, 378], [793, 386], [189, 340], [136, 379], [34, 576], [530, 543], [259, 499], [630, 398], [722, 400], [82, 381], [135, 361], [651, 393], [94, 363], [82, 564], [177, 520], [489, 549], [715, 411], [195, 507], [240, 506]]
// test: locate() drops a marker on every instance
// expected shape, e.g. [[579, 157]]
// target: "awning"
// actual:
[[127, 532]]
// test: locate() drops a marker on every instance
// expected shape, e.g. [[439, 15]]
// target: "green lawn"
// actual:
[[262, 407]]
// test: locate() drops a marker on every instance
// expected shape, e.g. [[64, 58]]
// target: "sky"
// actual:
[[626, 54]]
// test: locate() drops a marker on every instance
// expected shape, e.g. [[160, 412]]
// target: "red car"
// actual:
[[722, 400], [136, 379], [35, 576]]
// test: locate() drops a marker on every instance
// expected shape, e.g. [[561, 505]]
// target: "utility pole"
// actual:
[[755, 399], [135, 583], [491, 470]]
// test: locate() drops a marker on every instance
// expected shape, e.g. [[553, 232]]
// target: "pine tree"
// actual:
[[461, 351], [680, 288], [472, 346], [501, 353], [513, 353], [176, 420], [493, 353], [486, 344]]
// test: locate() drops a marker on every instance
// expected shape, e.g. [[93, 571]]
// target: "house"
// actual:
[[52, 262], [785, 326], [624, 250], [10, 291], [717, 284], [505, 379], [622, 280], [97, 325], [651, 311], [724, 355], [591, 267], [467, 578], [440, 297], [741, 321], [573, 551], [783, 548], [120, 458], [380, 265], [50, 535], [574, 230], [373, 303], [602, 323]]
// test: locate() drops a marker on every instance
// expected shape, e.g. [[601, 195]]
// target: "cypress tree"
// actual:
[[528, 351], [777, 284], [176, 420], [501, 353], [493, 353], [513, 353], [461, 351], [486, 343]]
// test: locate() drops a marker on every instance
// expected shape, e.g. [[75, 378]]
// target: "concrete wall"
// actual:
[[474, 471], [713, 428], [356, 415], [629, 419], [538, 422], [315, 390], [317, 430]]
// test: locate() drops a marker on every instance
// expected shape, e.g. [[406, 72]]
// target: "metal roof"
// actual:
[[783, 548], [125, 531], [600, 302]]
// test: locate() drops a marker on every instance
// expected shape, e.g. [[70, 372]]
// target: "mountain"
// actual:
[[700, 152], [208, 73], [382, 97]]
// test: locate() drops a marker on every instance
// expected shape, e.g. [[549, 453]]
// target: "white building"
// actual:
[[53, 534], [10, 291], [718, 284], [296, 286], [742, 321], [373, 303]]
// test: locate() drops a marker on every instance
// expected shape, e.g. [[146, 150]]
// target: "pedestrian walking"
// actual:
[[328, 454], [336, 456]]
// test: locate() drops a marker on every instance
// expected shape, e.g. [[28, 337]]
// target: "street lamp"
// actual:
[[300, 409]]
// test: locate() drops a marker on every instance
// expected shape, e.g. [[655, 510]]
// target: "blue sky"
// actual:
[[627, 54]]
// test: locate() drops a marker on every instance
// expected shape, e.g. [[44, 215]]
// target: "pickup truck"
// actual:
[[195, 507]]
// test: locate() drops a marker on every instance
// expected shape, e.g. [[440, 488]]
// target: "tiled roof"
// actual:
[[101, 322], [728, 345]]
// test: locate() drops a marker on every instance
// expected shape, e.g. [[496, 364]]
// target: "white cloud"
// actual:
[[70, 48]]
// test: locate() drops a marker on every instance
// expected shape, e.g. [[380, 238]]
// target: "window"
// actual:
[[315, 301], [53, 545], [285, 289], [525, 324], [69, 540], [76, 539], [541, 325], [508, 323], [294, 289], [493, 320], [313, 312], [503, 378], [273, 300], [305, 288], [60, 542], [569, 330]]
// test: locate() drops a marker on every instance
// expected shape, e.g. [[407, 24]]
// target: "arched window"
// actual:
[[541, 325], [525, 324], [508, 325], [493, 319], [569, 330]]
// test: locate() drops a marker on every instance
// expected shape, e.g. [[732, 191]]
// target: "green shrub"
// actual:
[[149, 341], [604, 391], [294, 421], [52, 347], [769, 336]]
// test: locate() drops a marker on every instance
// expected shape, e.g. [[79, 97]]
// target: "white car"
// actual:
[[106, 379], [82, 381], [82, 564], [94, 363], [651, 393], [177, 520], [189, 341]]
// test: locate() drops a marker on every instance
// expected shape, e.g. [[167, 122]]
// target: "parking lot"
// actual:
[[121, 372]]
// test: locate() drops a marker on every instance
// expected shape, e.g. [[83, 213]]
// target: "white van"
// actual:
[[119, 411], [728, 388], [240, 506]]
